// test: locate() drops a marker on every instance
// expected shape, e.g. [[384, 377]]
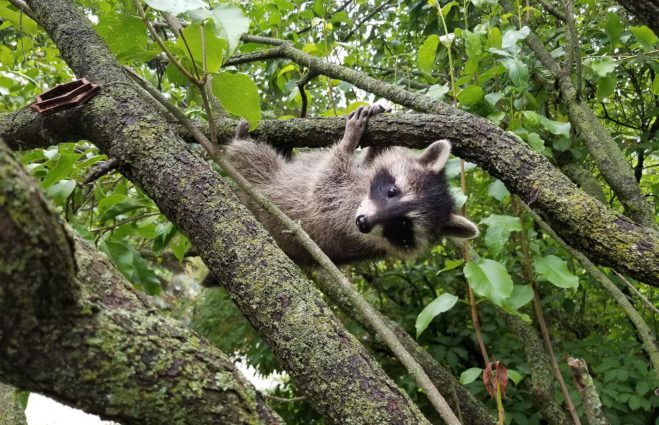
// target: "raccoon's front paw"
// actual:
[[356, 125]]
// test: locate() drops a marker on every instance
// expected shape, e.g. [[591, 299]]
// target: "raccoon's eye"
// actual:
[[393, 191]]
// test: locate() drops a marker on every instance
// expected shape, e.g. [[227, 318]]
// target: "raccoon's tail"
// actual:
[[257, 162]]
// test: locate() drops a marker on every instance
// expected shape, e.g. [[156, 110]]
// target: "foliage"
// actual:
[[490, 73]]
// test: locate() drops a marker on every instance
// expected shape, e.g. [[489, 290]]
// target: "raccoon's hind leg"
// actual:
[[356, 125], [257, 162]]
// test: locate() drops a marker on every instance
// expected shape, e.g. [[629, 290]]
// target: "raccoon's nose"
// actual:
[[362, 224]]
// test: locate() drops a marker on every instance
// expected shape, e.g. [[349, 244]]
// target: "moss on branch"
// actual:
[[89, 340]]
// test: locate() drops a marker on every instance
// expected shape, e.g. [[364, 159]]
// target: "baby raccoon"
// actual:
[[391, 202]]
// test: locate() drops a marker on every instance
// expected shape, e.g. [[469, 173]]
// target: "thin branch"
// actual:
[[551, 10], [573, 57], [366, 18], [529, 276], [282, 399], [296, 230], [637, 292], [308, 76], [158, 40], [263, 55]]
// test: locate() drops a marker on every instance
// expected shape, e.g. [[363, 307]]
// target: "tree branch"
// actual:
[[64, 303], [325, 360], [645, 10], [604, 235]]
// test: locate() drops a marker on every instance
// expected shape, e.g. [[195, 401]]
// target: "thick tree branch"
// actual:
[[64, 303], [645, 10], [604, 235], [325, 360]]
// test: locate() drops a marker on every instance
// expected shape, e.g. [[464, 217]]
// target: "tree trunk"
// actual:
[[327, 362], [646, 11], [11, 410]]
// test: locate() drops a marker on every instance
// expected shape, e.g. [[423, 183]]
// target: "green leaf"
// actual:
[[127, 205], [489, 279], [499, 228], [215, 47], [603, 66], [554, 127], [238, 95], [555, 271], [498, 190], [606, 86], [165, 232], [60, 191], [518, 73], [536, 142], [176, 7], [515, 376], [230, 23], [446, 9], [481, 3], [511, 37], [18, 20], [645, 36], [62, 169], [125, 35], [655, 85], [470, 375], [613, 27], [522, 295], [427, 53], [442, 303], [450, 265], [471, 95]]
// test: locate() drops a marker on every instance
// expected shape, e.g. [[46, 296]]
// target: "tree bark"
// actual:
[[542, 379], [646, 11], [335, 372], [11, 411], [88, 340]]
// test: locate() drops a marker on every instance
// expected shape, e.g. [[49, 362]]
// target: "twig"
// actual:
[[527, 271], [551, 10], [592, 405], [361, 22], [643, 330], [360, 303], [573, 57], [122, 222], [308, 76], [263, 55], [101, 169], [637, 292], [282, 399]]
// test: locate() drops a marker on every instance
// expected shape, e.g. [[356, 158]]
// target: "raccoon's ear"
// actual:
[[459, 227], [436, 155]]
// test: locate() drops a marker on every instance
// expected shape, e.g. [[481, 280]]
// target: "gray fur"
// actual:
[[323, 190]]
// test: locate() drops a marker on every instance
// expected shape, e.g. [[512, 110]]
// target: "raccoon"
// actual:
[[389, 202]]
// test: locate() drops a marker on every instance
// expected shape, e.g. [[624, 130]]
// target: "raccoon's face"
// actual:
[[408, 206]]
